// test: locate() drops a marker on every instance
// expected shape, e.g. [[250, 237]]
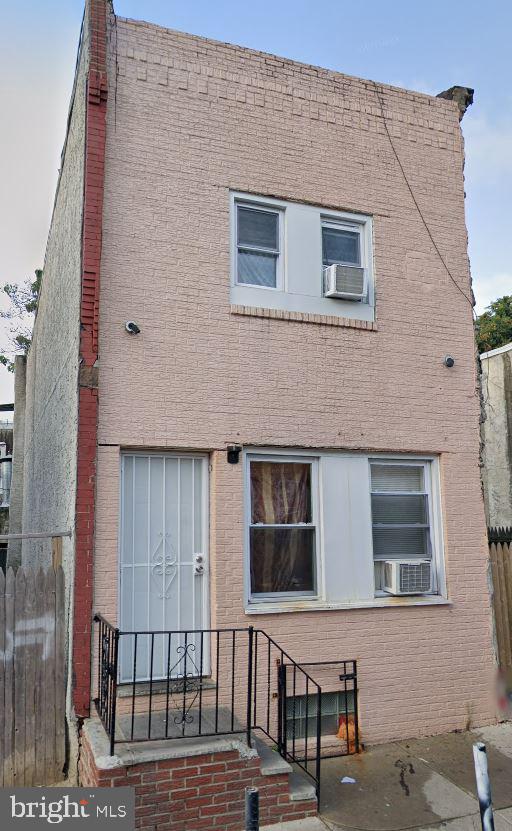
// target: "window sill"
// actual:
[[324, 606], [303, 317]]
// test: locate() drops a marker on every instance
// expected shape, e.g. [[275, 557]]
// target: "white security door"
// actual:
[[163, 563]]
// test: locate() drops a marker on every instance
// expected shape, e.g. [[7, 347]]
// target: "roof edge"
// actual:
[[498, 351]]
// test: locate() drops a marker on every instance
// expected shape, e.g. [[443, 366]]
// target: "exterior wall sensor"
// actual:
[[131, 327], [449, 361]]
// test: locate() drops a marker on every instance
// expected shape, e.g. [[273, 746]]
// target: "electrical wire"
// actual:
[[397, 157]]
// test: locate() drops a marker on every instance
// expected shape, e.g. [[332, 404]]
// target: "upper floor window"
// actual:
[[303, 258], [258, 246]]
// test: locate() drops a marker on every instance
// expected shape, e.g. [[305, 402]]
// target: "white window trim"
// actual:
[[309, 604], [280, 269], [280, 597], [284, 297], [434, 513]]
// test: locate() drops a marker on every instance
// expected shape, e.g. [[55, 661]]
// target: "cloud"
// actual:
[[487, 146], [489, 288]]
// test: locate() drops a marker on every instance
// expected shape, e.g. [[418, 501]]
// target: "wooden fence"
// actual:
[[500, 552], [32, 677]]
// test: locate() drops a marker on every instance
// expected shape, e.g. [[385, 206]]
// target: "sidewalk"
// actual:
[[421, 784]]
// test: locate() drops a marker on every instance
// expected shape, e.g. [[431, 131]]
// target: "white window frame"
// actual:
[[300, 280], [430, 480], [279, 597], [286, 604], [265, 208]]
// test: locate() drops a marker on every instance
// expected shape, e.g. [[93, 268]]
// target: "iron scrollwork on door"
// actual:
[[163, 568]]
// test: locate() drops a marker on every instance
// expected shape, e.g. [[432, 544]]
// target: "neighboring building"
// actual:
[[6, 435], [497, 433], [251, 216]]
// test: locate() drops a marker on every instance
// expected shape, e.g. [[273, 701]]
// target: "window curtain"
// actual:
[[280, 493], [281, 558]]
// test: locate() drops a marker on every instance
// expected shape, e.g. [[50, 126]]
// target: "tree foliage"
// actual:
[[494, 326], [20, 315]]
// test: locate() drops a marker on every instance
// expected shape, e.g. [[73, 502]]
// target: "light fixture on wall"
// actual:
[[233, 451]]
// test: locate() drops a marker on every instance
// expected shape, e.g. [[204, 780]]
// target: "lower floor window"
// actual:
[[282, 533], [342, 527], [336, 715]]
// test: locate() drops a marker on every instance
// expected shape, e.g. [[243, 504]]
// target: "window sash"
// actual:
[[332, 225], [395, 527], [274, 252], [310, 527]]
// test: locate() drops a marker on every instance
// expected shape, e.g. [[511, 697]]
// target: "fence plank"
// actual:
[[31, 658], [19, 678], [40, 692], [49, 676], [498, 612], [60, 675], [8, 760], [507, 592], [32, 677], [2, 673]]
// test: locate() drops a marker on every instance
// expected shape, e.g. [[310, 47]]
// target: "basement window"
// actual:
[[337, 710]]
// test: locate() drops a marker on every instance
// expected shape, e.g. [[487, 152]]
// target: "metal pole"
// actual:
[[483, 786], [252, 809]]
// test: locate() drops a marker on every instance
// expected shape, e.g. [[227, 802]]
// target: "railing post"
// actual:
[[281, 708], [113, 692], [318, 744], [249, 685]]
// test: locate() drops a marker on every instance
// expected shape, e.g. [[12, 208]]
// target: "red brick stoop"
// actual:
[[201, 790]]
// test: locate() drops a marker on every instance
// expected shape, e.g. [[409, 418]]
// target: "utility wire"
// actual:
[[450, 275]]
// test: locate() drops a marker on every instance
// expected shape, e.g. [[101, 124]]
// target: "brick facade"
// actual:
[[96, 21], [193, 120]]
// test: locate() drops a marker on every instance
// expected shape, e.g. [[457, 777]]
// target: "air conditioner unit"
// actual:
[[407, 576], [347, 282]]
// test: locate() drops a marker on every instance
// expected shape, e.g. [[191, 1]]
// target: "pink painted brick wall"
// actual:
[[190, 120]]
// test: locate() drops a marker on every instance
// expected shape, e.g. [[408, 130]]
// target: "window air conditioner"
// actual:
[[407, 576], [347, 282]]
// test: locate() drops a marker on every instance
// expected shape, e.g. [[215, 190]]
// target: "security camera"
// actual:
[[131, 327], [449, 361]]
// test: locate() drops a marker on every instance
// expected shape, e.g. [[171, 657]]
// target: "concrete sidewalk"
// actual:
[[418, 784]]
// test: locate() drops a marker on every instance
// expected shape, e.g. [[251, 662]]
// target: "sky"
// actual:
[[422, 46]]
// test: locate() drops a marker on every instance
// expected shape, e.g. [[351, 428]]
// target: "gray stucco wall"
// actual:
[[497, 431]]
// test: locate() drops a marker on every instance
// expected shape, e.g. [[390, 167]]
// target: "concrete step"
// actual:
[[271, 763], [301, 787]]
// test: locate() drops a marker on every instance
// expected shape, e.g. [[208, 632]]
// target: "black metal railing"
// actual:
[[154, 685]]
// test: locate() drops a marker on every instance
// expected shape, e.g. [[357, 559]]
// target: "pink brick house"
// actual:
[[278, 443]]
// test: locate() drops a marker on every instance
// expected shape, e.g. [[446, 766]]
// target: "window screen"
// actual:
[[400, 512], [281, 532], [257, 246]]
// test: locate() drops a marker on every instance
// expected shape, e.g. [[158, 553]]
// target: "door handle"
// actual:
[[198, 564]]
